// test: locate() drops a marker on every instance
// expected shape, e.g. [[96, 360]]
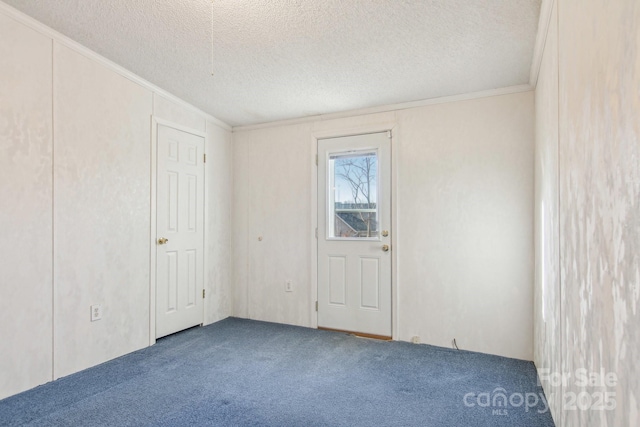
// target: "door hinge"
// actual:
[[204, 158], [203, 294], [316, 160], [316, 305], [389, 134]]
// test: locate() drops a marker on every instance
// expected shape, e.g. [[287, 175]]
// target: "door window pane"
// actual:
[[353, 195]]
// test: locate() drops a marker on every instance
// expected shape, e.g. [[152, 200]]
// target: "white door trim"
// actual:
[[334, 133], [155, 122]]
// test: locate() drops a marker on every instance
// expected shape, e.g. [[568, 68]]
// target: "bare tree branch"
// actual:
[[360, 173]]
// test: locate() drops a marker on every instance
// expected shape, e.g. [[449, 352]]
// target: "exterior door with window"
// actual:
[[354, 224]]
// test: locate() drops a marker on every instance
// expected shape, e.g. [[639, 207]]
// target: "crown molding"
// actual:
[[41, 28], [546, 9], [389, 108]]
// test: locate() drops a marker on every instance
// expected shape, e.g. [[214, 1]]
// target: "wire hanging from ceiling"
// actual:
[[212, 38]]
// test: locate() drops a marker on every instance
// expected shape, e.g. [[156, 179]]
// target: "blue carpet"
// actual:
[[246, 373]]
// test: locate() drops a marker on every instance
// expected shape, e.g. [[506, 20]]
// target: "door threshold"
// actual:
[[358, 334]]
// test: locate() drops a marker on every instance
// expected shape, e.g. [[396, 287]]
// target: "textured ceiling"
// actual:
[[281, 59]]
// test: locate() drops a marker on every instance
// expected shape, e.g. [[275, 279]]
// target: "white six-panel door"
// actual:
[[180, 230], [354, 223]]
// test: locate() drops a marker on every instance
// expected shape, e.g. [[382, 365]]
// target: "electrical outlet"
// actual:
[[288, 286], [415, 339], [96, 312]]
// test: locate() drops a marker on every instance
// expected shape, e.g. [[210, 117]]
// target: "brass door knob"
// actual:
[[162, 241], [385, 248], [385, 233]]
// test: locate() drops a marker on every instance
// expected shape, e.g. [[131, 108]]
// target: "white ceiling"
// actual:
[[282, 59]]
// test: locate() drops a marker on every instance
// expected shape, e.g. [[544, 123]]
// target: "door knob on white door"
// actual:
[[385, 248], [162, 241]]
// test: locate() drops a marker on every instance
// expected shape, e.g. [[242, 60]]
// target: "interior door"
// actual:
[[354, 220], [180, 231]]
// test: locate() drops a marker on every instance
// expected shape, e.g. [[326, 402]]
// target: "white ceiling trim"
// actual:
[[83, 50], [541, 40], [390, 108]]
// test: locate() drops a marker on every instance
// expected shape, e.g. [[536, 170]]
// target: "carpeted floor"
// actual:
[[246, 373]]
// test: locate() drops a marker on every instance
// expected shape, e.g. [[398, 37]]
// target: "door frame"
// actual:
[[352, 131], [155, 123]]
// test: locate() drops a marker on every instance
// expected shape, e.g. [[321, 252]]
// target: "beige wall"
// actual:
[[75, 135], [219, 180], [272, 183], [101, 212], [598, 189], [464, 199], [26, 203], [547, 354], [600, 198]]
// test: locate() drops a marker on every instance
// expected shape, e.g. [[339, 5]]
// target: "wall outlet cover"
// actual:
[[96, 312]]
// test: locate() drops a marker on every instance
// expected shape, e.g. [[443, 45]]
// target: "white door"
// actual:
[[354, 220], [180, 231]]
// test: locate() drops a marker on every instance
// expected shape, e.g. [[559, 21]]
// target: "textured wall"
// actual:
[[101, 212], [166, 109], [600, 200], [547, 354], [75, 214], [219, 301], [25, 208], [465, 213], [592, 57], [272, 182]]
